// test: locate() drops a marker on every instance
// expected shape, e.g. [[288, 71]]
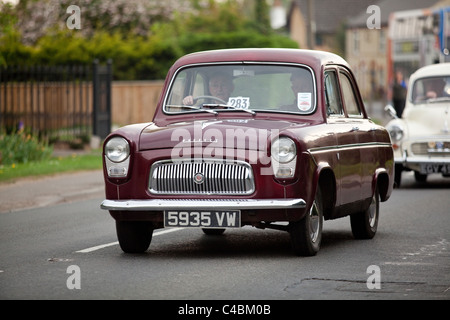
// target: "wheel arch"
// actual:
[[381, 180], [326, 181]]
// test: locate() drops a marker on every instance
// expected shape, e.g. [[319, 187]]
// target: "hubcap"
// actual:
[[373, 212], [314, 222]]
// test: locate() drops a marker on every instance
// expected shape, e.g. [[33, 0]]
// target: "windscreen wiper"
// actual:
[[217, 105], [193, 108]]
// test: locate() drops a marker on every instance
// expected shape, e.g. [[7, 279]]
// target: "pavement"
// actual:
[[27, 193]]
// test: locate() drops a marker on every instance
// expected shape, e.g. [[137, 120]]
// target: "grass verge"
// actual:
[[71, 163]]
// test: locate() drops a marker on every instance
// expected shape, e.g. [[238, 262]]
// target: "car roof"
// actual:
[[440, 69], [312, 58]]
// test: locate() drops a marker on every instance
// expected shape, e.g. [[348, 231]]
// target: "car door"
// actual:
[[347, 182], [361, 128]]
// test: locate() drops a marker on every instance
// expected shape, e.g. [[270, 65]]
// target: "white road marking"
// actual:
[[158, 233]]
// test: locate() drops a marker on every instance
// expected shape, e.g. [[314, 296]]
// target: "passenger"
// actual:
[[302, 88], [434, 88]]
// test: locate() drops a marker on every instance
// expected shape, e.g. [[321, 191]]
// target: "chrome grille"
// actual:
[[433, 148], [201, 176]]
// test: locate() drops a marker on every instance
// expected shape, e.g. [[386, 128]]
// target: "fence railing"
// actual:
[[54, 101]]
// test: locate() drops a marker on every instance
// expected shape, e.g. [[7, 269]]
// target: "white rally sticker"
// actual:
[[304, 101]]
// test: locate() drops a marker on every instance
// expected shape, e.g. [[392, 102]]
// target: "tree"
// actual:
[[142, 37]]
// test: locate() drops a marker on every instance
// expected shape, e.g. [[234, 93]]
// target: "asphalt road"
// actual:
[[68, 250]]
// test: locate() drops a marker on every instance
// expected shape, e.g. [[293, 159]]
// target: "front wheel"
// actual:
[[364, 224], [134, 236], [213, 232], [306, 234]]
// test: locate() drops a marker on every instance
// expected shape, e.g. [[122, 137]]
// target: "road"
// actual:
[[69, 251]]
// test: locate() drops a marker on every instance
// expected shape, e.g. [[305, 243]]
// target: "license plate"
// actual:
[[426, 168], [202, 219]]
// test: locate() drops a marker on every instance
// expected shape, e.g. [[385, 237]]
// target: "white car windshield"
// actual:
[[244, 87], [431, 89]]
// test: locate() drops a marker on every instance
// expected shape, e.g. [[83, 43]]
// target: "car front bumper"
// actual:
[[425, 165], [218, 204]]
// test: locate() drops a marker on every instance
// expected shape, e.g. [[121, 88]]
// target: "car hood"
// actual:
[[250, 134], [428, 120]]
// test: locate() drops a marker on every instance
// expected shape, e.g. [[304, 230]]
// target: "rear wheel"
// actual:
[[306, 234], [134, 236], [364, 224]]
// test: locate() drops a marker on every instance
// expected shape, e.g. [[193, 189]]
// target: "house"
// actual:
[[368, 50], [319, 24]]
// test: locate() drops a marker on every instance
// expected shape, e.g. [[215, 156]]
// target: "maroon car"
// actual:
[[271, 138]]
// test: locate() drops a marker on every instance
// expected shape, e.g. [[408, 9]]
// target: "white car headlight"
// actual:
[[117, 157], [117, 149], [284, 157], [283, 150], [396, 132]]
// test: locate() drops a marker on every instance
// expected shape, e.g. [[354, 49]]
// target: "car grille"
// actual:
[[431, 149], [201, 176]]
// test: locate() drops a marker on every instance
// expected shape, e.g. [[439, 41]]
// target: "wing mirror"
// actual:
[[390, 109]]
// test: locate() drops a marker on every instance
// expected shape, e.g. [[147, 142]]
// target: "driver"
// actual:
[[220, 86]]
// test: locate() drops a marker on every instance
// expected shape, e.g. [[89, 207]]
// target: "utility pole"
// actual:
[[311, 25]]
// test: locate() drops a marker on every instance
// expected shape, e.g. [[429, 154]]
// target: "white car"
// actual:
[[421, 138]]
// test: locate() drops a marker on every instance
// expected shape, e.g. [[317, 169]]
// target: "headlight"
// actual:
[[284, 158], [283, 150], [117, 149], [117, 157], [396, 132]]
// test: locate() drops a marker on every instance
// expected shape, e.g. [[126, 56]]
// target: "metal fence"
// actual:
[[58, 102]]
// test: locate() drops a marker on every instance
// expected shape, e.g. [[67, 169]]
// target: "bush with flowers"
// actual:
[[22, 147]]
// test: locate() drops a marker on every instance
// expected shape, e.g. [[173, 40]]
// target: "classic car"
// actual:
[[421, 138], [269, 138]]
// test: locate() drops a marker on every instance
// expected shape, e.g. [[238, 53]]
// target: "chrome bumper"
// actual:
[[189, 204]]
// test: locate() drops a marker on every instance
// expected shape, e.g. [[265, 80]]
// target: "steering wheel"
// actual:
[[209, 97]]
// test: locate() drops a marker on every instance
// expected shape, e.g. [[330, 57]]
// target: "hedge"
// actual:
[[134, 58]]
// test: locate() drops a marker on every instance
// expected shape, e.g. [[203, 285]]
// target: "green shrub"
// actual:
[[22, 147], [239, 39]]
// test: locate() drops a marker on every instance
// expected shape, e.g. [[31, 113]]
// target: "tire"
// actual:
[[364, 224], [306, 234], [398, 175], [134, 236], [420, 177], [213, 232]]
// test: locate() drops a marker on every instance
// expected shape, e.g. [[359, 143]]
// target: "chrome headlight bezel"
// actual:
[[283, 150], [117, 157], [284, 158], [396, 132], [117, 149]]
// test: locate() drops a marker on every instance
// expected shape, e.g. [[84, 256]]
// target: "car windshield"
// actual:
[[431, 89], [244, 87]]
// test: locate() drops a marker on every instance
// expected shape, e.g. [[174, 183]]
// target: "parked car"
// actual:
[[269, 138], [421, 138]]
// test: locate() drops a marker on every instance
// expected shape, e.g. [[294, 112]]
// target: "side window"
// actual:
[[351, 103], [331, 91]]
